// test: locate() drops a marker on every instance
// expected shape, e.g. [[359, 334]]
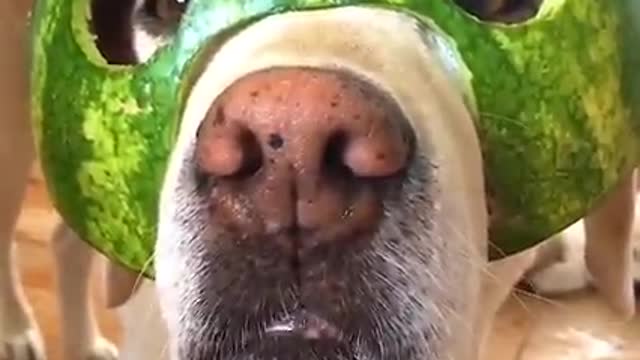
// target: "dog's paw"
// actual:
[[27, 346], [102, 349], [569, 272], [559, 278]]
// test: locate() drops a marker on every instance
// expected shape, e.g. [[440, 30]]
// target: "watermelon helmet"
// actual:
[[555, 98]]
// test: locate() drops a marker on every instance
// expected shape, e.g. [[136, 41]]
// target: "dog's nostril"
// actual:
[[253, 157], [367, 154], [231, 151], [333, 157], [376, 156]]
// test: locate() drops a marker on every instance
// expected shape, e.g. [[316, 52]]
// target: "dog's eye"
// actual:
[[168, 10]]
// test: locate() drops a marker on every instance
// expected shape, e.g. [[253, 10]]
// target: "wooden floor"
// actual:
[[576, 327]]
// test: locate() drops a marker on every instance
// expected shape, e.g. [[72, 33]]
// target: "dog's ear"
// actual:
[[120, 284], [609, 246]]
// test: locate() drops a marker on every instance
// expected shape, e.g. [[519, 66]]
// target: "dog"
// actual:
[[234, 282]]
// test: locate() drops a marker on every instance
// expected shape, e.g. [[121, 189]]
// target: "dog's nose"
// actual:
[[298, 146]]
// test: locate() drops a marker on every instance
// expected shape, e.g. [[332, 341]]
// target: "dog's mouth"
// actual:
[[302, 335], [335, 304], [306, 326], [296, 333], [279, 307]]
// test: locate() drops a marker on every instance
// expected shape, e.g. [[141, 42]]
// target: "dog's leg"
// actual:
[[82, 338], [498, 282], [608, 247], [19, 335]]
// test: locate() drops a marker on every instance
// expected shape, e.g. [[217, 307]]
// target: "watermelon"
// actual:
[[556, 98]]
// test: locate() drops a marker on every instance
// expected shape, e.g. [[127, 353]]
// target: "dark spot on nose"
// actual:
[[275, 141], [342, 134]]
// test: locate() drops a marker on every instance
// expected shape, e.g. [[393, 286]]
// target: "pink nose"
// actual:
[[301, 147]]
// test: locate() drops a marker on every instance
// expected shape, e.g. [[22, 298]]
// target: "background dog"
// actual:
[[255, 257]]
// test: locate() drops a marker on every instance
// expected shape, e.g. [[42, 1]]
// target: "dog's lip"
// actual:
[[306, 325], [295, 334]]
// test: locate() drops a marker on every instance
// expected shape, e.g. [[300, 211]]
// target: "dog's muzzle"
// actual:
[[302, 211], [294, 154], [293, 160]]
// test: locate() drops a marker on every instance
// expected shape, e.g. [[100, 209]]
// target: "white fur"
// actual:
[[145, 331], [380, 46], [145, 45]]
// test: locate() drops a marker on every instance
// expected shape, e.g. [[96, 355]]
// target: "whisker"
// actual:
[[164, 351], [541, 298], [140, 275]]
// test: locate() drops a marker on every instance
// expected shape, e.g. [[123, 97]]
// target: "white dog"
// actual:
[[404, 276]]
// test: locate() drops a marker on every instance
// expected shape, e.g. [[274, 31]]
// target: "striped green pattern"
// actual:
[[558, 99]]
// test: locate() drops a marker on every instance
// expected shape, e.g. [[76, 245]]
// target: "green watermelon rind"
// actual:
[[105, 132]]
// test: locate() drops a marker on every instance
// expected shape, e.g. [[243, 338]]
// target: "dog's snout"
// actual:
[[297, 147], [329, 118]]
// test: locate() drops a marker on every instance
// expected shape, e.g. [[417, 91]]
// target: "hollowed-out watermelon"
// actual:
[[557, 100]]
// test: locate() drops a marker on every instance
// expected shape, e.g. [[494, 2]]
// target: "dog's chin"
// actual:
[[351, 307], [298, 336], [290, 348], [347, 306], [297, 348]]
